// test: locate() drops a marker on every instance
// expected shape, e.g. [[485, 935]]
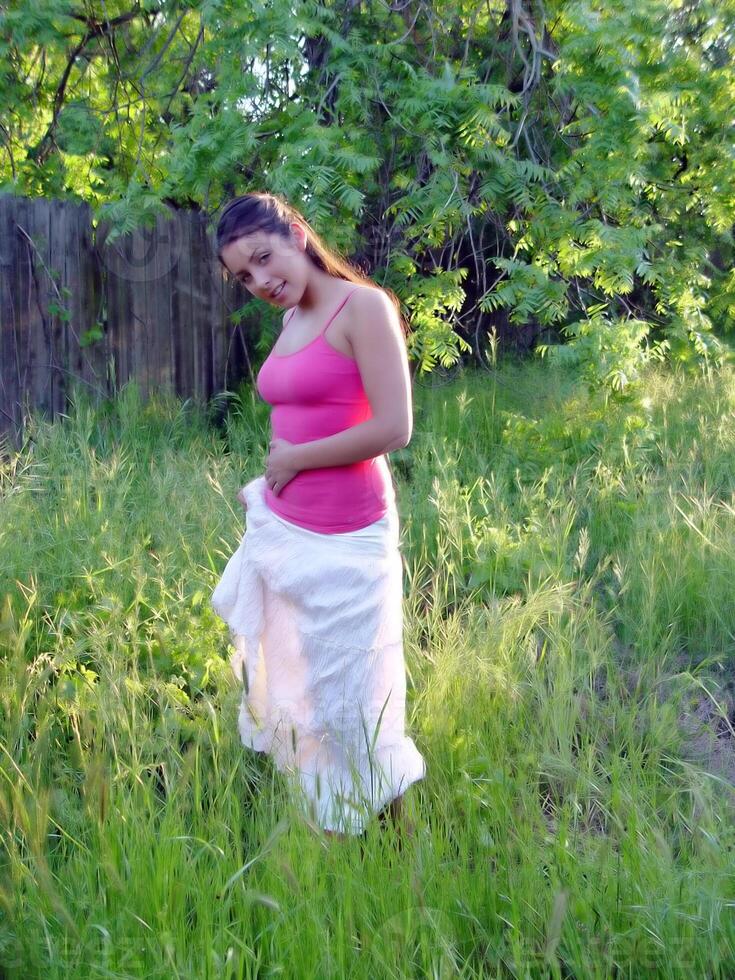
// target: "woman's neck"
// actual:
[[320, 293]]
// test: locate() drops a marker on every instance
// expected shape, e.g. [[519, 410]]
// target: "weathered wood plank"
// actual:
[[159, 294], [9, 348]]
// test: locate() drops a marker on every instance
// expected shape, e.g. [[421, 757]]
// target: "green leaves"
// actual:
[[586, 158], [608, 351], [431, 300], [529, 291]]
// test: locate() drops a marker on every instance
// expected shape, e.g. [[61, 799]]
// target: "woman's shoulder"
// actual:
[[369, 297], [374, 315], [366, 288]]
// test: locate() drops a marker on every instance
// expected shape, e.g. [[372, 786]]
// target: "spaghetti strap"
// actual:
[[337, 311], [290, 314]]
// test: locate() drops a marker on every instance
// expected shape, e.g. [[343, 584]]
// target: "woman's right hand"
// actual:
[[241, 498]]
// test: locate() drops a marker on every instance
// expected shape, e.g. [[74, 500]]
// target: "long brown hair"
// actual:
[[263, 211]]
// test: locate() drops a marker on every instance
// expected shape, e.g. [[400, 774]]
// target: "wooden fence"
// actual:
[[152, 305]]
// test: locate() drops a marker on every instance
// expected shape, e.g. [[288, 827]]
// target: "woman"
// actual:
[[313, 595]]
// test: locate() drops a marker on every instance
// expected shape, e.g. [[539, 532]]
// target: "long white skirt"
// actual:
[[317, 625]]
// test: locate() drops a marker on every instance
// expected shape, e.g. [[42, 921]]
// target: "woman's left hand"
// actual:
[[279, 467]]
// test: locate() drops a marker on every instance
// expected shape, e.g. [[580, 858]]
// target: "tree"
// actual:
[[565, 169]]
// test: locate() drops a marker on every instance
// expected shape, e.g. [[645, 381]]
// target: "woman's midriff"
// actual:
[[361, 492]]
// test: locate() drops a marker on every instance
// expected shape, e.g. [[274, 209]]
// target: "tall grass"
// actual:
[[569, 645]]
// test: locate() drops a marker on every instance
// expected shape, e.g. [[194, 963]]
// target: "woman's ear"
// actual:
[[299, 235]]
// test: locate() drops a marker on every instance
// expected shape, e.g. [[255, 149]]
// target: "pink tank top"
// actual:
[[316, 392]]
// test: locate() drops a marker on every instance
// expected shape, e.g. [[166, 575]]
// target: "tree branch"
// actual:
[[95, 29]]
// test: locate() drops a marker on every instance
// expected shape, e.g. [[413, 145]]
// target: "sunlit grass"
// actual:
[[569, 641]]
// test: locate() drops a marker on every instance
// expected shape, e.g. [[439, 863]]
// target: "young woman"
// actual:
[[313, 594]]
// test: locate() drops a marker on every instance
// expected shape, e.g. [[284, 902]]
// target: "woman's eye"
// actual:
[[265, 255]]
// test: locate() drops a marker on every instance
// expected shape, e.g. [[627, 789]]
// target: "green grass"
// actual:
[[569, 639]]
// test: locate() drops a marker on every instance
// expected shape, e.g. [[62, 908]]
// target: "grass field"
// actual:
[[569, 640]]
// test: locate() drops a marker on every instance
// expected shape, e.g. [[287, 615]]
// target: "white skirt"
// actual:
[[317, 625]]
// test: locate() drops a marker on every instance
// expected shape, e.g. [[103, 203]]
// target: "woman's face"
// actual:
[[271, 267]]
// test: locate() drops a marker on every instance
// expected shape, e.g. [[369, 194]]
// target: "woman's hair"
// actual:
[[262, 211]]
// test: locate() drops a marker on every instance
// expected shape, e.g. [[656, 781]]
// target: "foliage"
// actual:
[[535, 162]]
